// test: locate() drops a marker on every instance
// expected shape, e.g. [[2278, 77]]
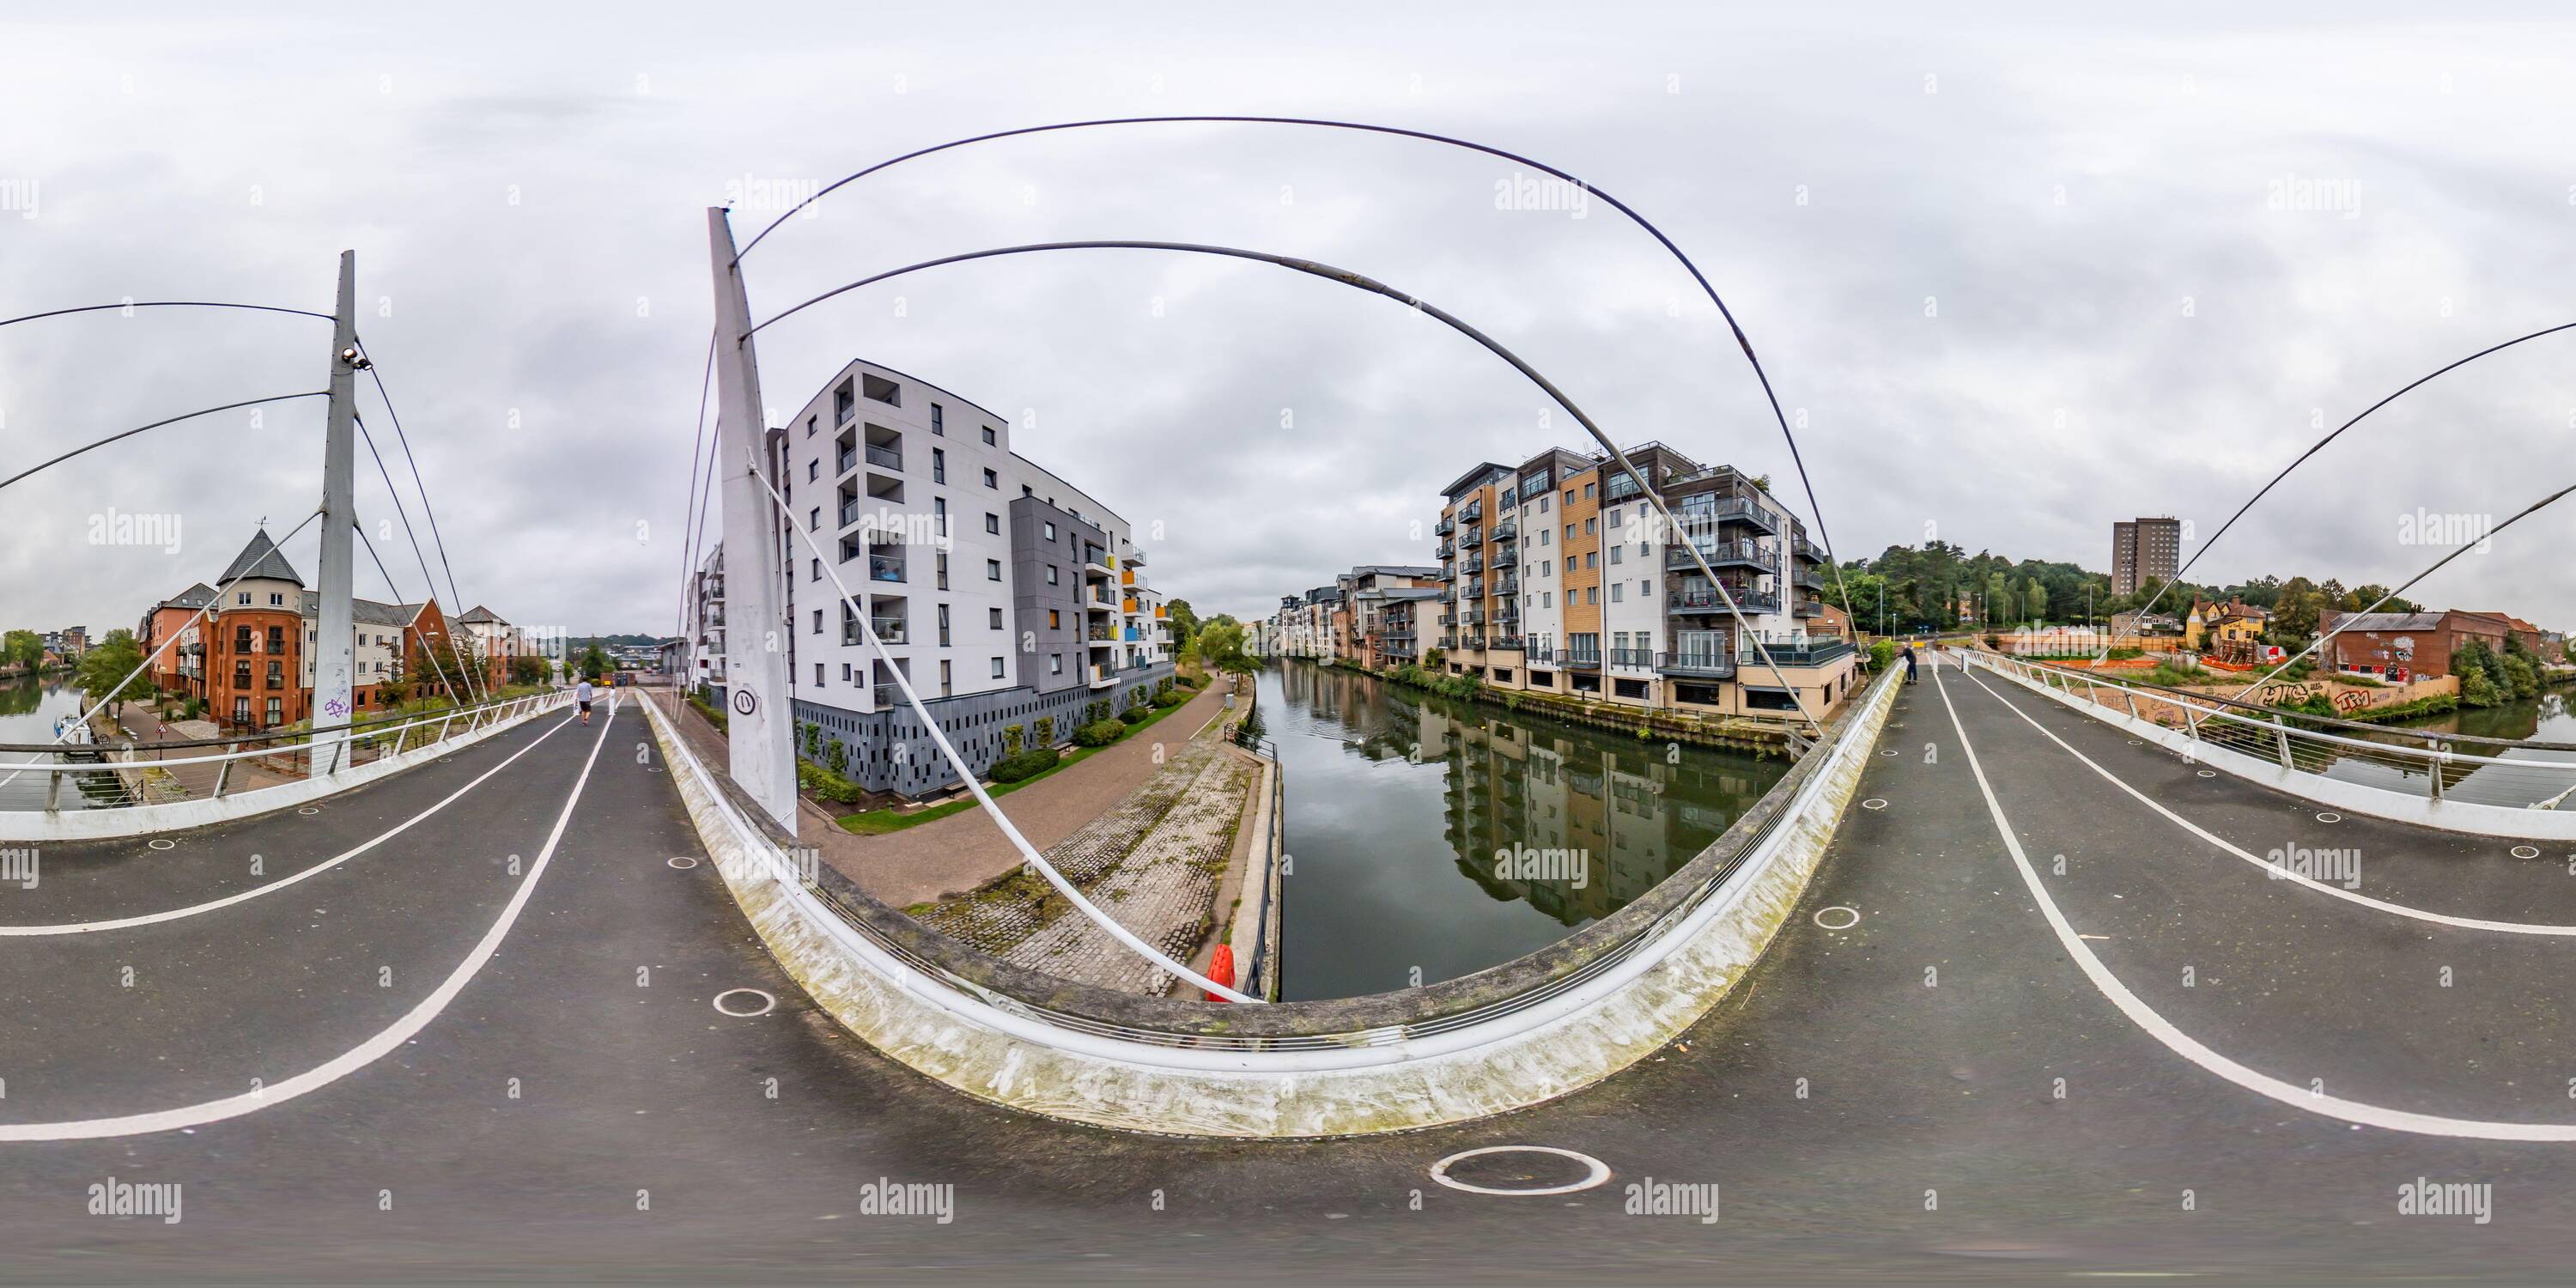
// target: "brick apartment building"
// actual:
[[2417, 644]]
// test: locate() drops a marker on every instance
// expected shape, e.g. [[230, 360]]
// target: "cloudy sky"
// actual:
[[2015, 276]]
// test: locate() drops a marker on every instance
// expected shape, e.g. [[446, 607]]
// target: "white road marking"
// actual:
[[2190, 1048], [2419, 914], [359, 1057], [174, 914], [767, 1002], [1597, 1171]]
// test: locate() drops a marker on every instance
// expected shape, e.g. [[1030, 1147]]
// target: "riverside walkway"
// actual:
[[478, 1035]]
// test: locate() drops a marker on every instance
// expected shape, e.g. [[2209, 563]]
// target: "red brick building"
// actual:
[[2418, 644]]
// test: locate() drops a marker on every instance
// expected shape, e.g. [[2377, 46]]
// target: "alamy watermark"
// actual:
[[2426, 528], [118, 528], [2423, 1197], [796, 865], [1543, 192], [2332, 196], [2323, 866], [113, 1197], [19, 196], [1523, 863], [777, 196], [18, 866], [1651, 1197], [884, 1197]]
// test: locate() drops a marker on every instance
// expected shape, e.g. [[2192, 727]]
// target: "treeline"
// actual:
[[1926, 588]]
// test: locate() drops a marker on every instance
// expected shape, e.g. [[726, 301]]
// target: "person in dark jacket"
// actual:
[[1909, 663]]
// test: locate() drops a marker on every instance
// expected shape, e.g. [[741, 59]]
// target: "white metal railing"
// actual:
[[2417, 764], [167, 780]]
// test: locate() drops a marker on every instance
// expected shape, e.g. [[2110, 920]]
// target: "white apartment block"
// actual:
[[1000, 591]]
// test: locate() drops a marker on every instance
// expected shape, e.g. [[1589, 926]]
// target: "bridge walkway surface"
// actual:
[[1878, 1099]]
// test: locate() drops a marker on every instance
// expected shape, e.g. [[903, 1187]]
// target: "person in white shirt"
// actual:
[[582, 694]]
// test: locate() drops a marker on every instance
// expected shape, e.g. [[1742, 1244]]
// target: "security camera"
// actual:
[[355, 360]]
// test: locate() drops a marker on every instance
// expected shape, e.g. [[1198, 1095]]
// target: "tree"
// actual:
[[594, 662], [528, 668], [1221, 643], [1185, 624], [105, 666], [22, 648]]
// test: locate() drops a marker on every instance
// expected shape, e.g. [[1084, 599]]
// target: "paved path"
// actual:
[[1941, 1092]]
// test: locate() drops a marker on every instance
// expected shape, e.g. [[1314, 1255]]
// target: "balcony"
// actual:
[[1808, 550], [1640, 658], [1447, 550], [1507, 556], [1507, 530], [1507, 585], [1471, 644], [1501, 643], [1475, 564], [1707, 601], [1475, 510], [1578, 661], [1696, 664], [1445, 526], [884, 696], [1103, 676], [1471, 538], [1473, 617], [1807, 576], [886, 458], [891, 630], [1724, 554], [1809, 608], [1739, 510], [1620, 487], [1804, 650], [881, 568], [1135, 558]]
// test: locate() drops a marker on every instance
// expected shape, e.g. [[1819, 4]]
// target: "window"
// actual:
[[1615, 588], [810, 423], [818, 675], [813, 469], [1055, 619], [997, 662], [1547, 599], [992, 570], [814, 519], [276, 711], [938, 420], [1591, 526], [1592, 594], [1545, 535], [276, 599], [939, 465], [991, 479], [1569, 496], [1569, 532], [943, 633], [1050, 530], [818, 629], [997, 617], [939, 511], [1055, 664], [1051, 576], [1542, 505], [1645, 589], [940, 564], [1587, 491], [992, 522], [1614, 517], [944, 682], [989, 442], [817, 574], [1616, 552], [277, 675]]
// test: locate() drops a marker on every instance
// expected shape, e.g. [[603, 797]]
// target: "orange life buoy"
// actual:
[[1221, 969]]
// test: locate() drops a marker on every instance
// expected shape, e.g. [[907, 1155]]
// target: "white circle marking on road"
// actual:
[[2526, 851], [1599, 1171], [164, 845], [683, 862], [2329, 816], [1855, 916], [1874, 802], [768, 1003]]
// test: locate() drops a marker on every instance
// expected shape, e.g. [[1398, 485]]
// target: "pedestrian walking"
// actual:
[[582, 695], [1909, 668]]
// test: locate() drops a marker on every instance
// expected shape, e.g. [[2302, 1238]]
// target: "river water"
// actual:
[[2551, 717], [1398, 801], [28, 709]]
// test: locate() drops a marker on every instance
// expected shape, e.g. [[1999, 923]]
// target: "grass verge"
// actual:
[[878, 822]]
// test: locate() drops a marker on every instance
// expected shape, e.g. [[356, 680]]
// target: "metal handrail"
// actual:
[[352, 736]]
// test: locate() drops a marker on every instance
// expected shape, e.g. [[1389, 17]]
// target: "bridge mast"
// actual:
[[759, 720], [335, 643]]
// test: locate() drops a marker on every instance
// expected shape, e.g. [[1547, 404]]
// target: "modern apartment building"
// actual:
[[1380, 612], [1562, 579], [2143, 549], [1003, 594]]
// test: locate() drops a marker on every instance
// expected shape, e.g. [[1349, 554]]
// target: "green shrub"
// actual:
[[1046, 731], [2475, 690], [1882, 654], [1136, 715], [1022, 765], [1014, 737], [1169, 698], [823, 784], [1099, 733]]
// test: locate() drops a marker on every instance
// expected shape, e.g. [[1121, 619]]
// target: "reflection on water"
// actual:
[[1398, 802], [2546, 718], [28, 710]]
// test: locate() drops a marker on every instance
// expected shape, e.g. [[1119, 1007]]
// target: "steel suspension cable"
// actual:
[[1361, 282], [429, 584], [404, 441], [1742, 341], [173, 420]]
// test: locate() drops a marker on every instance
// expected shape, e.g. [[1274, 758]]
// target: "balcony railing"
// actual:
[[1636, 657], [1620, 487], [1808, 550], [1709, 664], [1578, 661], [1512, 642], [1475, 617], [1507, 530], [1722, 554], [1809, 608], [1445, 526], [841, 464], [1475, 564], [881, 568], [1707, 601], [891, 630], [1475, 510], [1507, 556], [1447, 550], [884, 696], [1805, 650]]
